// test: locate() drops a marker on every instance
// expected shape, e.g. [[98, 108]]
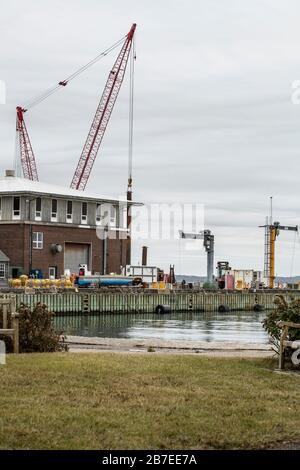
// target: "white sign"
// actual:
[[2, 353]]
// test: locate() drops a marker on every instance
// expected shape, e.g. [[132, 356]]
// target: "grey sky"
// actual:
[[214, 122]]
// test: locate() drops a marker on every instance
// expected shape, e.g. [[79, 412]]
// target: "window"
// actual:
[[37, 240], [113, 213], [54, 210], [2, 270], [38, 209], [84, 213], [69, 212], [98, 214], [16, 208]]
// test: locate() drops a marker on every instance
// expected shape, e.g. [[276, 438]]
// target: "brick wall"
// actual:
[[14, 242]]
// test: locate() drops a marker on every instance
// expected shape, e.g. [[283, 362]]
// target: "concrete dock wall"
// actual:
[[146, 302]]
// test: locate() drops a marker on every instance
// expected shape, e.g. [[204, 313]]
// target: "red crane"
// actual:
[[100, 121], [102, 115], [26, 151]]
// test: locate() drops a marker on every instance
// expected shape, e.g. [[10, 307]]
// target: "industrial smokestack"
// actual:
[[145, 256]]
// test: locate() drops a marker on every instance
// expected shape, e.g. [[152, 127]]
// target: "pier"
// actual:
[[146, 302]]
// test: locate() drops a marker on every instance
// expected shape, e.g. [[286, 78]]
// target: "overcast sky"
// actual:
[[214, 120]]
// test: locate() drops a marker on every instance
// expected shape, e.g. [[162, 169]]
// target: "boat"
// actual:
[[107, 281]]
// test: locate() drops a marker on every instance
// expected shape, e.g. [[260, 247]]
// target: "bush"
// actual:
[[284, 311], [36, 332]]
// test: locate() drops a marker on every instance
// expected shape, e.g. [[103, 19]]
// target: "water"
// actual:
[[233, 326]]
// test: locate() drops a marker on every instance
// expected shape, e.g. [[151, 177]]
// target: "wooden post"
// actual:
[[282, 348], [13, 304], [15, 325], [4, 316]]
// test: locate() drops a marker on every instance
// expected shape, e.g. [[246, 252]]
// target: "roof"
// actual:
[[3, 257], [16, 185]]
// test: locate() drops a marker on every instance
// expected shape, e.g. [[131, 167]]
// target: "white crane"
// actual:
[[208, 243]]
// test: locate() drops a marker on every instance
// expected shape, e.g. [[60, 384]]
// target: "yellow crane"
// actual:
[[272, 231]]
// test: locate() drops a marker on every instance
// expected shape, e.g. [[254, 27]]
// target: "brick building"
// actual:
[[53, 229]]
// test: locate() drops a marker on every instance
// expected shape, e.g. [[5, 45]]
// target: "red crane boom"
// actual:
[[102, 115], [26, 151]]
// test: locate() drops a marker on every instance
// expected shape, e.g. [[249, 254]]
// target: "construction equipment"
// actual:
[[100, 121], [272, 230], [25, 148], [102, 116], [223, 270], [208, 243]]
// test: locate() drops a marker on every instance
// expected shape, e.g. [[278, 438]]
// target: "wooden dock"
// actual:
[[146, 302]]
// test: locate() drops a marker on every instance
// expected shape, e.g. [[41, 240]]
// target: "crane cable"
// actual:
[[131, 103], [63, 83]]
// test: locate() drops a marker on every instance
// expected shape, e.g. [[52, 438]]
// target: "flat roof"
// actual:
[[19, 186]]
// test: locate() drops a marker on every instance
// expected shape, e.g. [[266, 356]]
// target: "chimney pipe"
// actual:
[[144, 256]]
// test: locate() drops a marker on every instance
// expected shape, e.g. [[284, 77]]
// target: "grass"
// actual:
[[115, 401]]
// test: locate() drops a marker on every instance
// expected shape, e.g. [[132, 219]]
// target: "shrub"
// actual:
[[284, 311], [36, 332]]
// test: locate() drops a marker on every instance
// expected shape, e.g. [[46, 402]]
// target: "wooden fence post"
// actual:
[[4, 316], [15, 325]]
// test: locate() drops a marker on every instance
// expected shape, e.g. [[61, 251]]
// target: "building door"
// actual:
[[52, 272], [76, 254], [2, 271]]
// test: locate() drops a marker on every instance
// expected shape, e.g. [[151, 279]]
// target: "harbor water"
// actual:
[[211, 326]]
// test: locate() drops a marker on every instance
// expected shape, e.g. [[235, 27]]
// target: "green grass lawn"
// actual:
[[123, 401]]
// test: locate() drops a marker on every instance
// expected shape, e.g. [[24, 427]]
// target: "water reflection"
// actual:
[[233, 326]]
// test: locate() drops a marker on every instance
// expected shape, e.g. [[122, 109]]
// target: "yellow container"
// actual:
[[162, 285], [154, 285], [45, 283], [23, 279], [16, 283]]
